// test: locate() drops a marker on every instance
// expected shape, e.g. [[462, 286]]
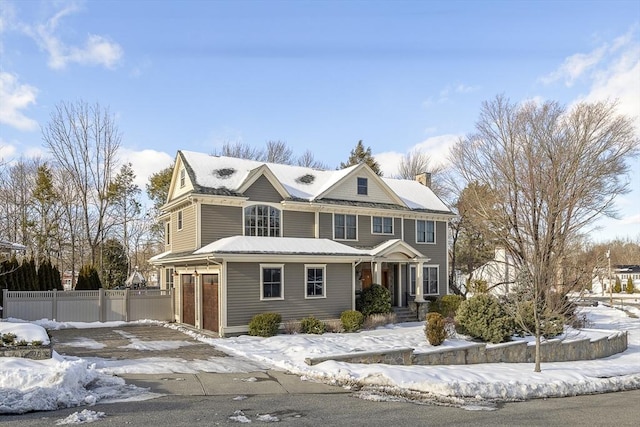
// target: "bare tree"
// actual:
[[308, 160], [279, 152], [552, 172], [416, 162], [84, 140], [242, 151]]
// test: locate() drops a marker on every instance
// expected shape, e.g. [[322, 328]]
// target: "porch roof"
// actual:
[[395, 246], [280, 245]]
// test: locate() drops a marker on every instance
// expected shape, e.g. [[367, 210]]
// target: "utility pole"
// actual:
[[610, 287]]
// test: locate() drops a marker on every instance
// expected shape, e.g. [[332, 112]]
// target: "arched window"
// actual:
[[261, 220]]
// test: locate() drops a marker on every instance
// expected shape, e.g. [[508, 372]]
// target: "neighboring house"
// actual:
[[245, 237], [600, 283], [499, 274], [8, 249]]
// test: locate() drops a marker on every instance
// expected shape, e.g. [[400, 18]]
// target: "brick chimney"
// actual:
[[424, 178]]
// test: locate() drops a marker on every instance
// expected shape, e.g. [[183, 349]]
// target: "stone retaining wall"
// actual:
[[27, 352], [511, 352]]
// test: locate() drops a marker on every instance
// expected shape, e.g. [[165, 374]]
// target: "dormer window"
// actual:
[[182, 178], [362, 186]]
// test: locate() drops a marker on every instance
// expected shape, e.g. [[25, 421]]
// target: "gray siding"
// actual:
[[219, 222], [298, 224], [243, 293], [184, 239], [437, 252], [263, 191], [367, 239], [326, 226]]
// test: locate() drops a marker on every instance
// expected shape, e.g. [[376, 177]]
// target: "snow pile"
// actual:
[[84, 417]]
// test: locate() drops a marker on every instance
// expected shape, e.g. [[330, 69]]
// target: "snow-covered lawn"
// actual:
[[27, 385]]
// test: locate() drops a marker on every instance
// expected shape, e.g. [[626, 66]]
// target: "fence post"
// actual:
[[54, 302], [126, 305], [101, 304]]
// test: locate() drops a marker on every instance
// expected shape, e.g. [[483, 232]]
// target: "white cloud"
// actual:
[[97, 50], [436, 147], [145, 163], [576, 66], [7, 151], [15, 98]]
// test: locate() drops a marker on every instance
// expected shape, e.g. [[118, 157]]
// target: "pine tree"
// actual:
[[360, 155]]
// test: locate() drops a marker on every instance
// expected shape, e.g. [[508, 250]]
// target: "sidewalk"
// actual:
[[236, 384]]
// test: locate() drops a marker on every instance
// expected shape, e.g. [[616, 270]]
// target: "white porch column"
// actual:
[[377, 266], [399, 284], [198, 300], [419, 294]]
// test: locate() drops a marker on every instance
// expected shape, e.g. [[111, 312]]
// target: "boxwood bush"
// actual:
[[311, 325], [482, 316], [375, 299], [265, 324], [352, 320], [434, 329]]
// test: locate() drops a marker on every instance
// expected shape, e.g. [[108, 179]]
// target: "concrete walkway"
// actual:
[[137, 341]]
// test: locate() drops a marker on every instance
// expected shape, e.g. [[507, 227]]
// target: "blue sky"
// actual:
[[320, 75]]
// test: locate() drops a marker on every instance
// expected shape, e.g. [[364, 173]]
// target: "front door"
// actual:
[[210, 302]]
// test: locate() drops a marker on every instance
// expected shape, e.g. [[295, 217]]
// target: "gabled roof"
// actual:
[[231, 176], [395, 246]]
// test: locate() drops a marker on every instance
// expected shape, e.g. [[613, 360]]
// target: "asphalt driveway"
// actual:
[[132, 342]]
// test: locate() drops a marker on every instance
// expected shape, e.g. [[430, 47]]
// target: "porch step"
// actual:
[[403, 314]]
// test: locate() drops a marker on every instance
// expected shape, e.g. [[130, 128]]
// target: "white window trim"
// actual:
[[434, 232], [262, 267], [393, 225], [333, 227], [437, 267], [183, 178], [180, 220], [366, 186], [273, 205], [167, 231], [324, 281]]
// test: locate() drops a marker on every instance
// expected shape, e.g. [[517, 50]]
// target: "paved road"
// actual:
[[327, 410]]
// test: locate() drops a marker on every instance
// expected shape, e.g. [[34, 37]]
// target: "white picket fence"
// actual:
[[89, 306]]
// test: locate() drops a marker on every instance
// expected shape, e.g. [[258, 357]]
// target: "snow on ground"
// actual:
[[27, 385]]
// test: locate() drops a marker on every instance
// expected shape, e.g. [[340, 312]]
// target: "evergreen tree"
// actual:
[[56, 279], [88, 279], [115, 265], [361, 155]]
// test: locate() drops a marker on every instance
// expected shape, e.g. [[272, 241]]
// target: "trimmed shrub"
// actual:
[[483, 317], [376, 299], [352, 320], [629, 287], [311, 325], [447, 305], [265, 324], [617, 288], [434, 329]]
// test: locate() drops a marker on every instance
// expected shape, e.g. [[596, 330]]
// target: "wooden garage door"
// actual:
[[188, 299], [210, 302]]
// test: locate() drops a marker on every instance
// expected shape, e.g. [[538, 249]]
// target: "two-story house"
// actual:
[[244, 237]]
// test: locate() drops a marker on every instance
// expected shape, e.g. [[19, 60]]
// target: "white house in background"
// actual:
[[600, 282], [7, 248], [499, 273]]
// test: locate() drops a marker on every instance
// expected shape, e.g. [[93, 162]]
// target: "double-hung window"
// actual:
[[167, 234], [271, 281], [315, 281], [344, 227], [425, 231], [261, 220], [362, 186], [382, 225], [429, 280], [179, 220], [182, 178]]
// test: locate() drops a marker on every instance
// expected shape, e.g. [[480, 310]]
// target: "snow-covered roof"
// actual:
[[228, 174], [5, 244], [279, 245], [135, 279]]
